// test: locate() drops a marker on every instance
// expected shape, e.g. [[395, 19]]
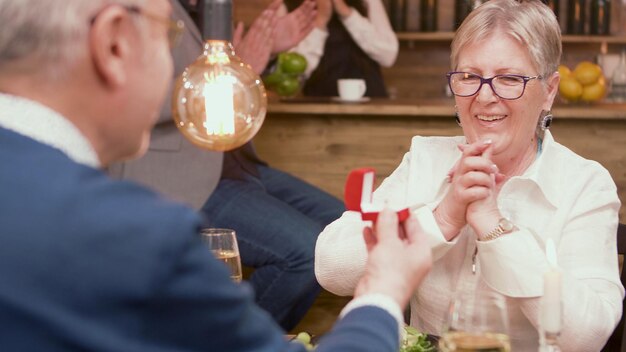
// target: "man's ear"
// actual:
[[110, 45]]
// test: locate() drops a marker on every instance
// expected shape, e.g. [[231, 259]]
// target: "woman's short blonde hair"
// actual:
[[530, 22]]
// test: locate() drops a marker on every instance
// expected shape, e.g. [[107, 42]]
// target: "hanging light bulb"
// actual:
[[219, 103]]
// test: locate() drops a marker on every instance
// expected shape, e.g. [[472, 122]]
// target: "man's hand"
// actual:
[[399, 257], [256, 45]]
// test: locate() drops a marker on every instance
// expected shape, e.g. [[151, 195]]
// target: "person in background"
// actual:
[[93, 264], [351, 39], [491, 198], [276, 216]]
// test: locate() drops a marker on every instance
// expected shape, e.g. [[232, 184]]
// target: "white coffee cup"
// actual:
[[351, 88]]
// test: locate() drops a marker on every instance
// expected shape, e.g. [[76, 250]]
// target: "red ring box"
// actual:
[[358, 195]]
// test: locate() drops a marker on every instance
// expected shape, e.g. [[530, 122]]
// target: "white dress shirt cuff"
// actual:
[[439, 245], [379, 300], [312, 48], [318, 35], [513, 264], [353, 21]]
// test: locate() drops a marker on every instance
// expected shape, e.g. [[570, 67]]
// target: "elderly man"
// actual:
[[89, 263]]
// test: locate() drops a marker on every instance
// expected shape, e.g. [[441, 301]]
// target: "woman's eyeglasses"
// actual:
[[509, 87]]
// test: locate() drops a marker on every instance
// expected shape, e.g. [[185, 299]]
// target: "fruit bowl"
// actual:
[[586, 83], [287, 76]]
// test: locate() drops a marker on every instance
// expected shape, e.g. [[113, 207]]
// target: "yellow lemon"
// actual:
[[594, 92], [587, 72], [570, 88], [564, 71]]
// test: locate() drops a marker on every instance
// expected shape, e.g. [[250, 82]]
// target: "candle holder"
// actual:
[[548, 342], [549, 339], [551, 304]]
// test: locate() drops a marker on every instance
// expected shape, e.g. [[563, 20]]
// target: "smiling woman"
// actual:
[[491, 198], [505, 113]]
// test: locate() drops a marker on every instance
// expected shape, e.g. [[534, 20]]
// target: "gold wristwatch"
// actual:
[[504, 226]]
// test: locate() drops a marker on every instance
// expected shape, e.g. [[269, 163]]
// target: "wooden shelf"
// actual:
[[443, 107], [426, 36], [609, 39], [447, 36]]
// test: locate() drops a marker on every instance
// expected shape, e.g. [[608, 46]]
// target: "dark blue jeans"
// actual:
[[277, 218]]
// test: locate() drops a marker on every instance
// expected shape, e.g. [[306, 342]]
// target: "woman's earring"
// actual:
[[545, 122]]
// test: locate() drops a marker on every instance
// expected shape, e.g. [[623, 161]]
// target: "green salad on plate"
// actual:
[[412, 341]]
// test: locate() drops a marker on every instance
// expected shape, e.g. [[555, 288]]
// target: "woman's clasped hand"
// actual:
[[475, 180]]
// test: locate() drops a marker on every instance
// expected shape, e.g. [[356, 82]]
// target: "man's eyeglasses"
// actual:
[[509, 87], [175, 29]]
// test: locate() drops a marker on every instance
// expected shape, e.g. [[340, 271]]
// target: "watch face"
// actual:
[[506, 225]]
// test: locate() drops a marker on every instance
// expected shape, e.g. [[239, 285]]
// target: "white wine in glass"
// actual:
[[459, 341], [477, 322], [223, 244]]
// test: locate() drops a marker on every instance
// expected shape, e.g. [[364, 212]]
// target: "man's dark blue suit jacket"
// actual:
[[92, 264]]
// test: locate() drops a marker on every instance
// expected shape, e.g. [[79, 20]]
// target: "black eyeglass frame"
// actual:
[[489, 81], [175, 28]]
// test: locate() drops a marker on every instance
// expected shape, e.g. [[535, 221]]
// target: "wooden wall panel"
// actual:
[[247, 10], [322, 149], [419, 71]]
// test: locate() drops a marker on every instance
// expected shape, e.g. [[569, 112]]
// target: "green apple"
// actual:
[[288, 86], [274, 78], [292, 63]]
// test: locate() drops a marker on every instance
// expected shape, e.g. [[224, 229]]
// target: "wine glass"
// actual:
[[477, 322], [223, 244]]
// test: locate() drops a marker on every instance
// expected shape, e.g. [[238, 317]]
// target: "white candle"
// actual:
[[551, 300]]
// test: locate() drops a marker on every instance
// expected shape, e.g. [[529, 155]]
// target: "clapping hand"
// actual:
[[293, 27], [325, 10], [254, 48], [342, 8], [399, 257], [324, 13]]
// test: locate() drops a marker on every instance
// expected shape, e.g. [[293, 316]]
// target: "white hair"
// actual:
[[49, 32], [530, 22]]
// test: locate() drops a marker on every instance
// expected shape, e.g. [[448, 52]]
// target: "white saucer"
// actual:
[[360, 100]]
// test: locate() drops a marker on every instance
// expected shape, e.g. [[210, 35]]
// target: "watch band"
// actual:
[[504, 226]]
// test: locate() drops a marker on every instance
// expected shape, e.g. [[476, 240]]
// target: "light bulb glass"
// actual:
[[219, 103]]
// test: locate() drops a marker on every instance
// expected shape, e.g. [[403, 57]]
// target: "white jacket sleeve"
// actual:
[[592, 294], [340, 253], [312, 48], [374, 34]]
